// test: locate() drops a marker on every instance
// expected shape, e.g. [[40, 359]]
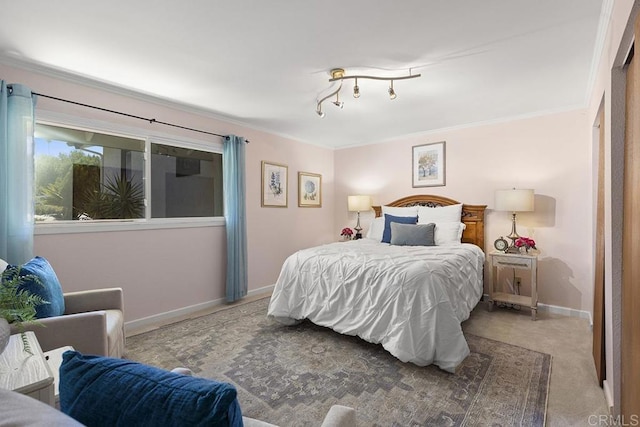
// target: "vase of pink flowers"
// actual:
[[346, 233], [524, 244]]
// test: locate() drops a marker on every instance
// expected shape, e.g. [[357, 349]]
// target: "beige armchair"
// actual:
[[93, 323]]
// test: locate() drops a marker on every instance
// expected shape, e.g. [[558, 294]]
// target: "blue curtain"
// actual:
[[233, 168], [17, 107]]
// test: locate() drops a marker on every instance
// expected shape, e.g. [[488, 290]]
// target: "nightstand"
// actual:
[[498, 261], [26, 373]]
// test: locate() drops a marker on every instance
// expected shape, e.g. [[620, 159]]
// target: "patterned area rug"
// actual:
[[290, 376]]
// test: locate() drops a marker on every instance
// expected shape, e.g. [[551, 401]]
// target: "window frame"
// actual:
[[149, 137]]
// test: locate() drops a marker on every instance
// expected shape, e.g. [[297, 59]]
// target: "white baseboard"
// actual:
[[263, 290], [565, 311], [155, 321], [556, 309], [608, 395]]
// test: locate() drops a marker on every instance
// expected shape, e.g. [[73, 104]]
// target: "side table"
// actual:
[[499, 260], [26, 373], [54, 359]]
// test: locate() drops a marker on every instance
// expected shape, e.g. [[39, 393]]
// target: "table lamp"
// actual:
[[514, 201], [359, 204]]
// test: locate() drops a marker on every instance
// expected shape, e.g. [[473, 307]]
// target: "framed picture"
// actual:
[[428, 165], [274, 185], [309, 190]]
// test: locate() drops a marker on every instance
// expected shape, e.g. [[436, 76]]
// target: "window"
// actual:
[[185, 182], [82, 174]]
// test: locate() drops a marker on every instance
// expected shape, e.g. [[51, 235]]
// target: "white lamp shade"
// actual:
[[514, 200], [359, 203]]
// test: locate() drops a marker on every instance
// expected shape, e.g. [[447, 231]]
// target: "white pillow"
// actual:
[[451, 213], [410, 211], [376, 229], [449, 233]]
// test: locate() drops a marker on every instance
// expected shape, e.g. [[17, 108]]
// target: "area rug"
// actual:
[[292, 375]]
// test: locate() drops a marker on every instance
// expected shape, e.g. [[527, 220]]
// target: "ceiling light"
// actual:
[[338, 74], [337, 102]]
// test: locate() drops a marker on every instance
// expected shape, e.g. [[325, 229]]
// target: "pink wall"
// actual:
[[169, 269], [551, 154], [159, 270]]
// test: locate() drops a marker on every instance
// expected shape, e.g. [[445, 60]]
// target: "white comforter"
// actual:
[[411, 299]]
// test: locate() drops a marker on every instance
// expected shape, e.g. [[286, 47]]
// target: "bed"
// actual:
[[410, 299]]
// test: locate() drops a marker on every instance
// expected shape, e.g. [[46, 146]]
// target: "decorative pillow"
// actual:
[[391, 210], [376, 229], [451, 213], [412, 235], [103, 391], [49, 287], [448, 233], [388, 219]]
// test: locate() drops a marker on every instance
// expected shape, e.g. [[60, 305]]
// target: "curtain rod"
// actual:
[[132, 116]]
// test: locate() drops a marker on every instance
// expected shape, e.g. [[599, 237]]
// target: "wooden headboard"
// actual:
[[472, 215]]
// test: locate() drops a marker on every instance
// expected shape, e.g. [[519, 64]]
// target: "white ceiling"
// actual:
[[265, 62]]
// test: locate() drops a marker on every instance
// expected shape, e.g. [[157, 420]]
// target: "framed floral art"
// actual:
[[309, 190], [274, 185]]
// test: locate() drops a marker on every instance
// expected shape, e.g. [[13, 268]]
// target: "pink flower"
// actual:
[[526, 242], [346, 232]]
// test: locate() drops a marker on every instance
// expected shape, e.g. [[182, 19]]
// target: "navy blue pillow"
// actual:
[[103, 391], [49, 287], [388, 219]]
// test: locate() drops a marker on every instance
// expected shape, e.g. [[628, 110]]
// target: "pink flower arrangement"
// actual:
[[347, 232], [525, 242]]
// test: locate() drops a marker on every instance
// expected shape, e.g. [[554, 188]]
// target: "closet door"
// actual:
[[630, 328]]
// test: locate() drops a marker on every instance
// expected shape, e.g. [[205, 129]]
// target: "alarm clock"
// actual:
[[501, 244]]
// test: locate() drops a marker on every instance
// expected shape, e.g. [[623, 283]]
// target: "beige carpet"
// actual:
[[290, 376]]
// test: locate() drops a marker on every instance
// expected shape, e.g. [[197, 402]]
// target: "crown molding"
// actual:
[[598, 49], [471, 125], [93, 83]]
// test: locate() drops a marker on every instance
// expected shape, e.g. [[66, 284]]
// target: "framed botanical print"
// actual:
[[274, 185], [428, 167], [309, 190]]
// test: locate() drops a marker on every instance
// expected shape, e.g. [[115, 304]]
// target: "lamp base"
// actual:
[[358, 229], [513, 236]]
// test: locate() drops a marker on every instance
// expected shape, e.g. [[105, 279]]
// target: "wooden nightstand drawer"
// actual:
[[513, 262]]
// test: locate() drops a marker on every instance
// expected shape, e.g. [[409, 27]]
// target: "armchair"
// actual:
[[93, 323]]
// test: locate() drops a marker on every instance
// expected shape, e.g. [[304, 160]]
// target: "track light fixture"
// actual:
[[337, 102], [338, 74]]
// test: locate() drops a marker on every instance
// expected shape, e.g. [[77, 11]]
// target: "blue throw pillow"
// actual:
[[103, 391], [49, 287], [388, 219]]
